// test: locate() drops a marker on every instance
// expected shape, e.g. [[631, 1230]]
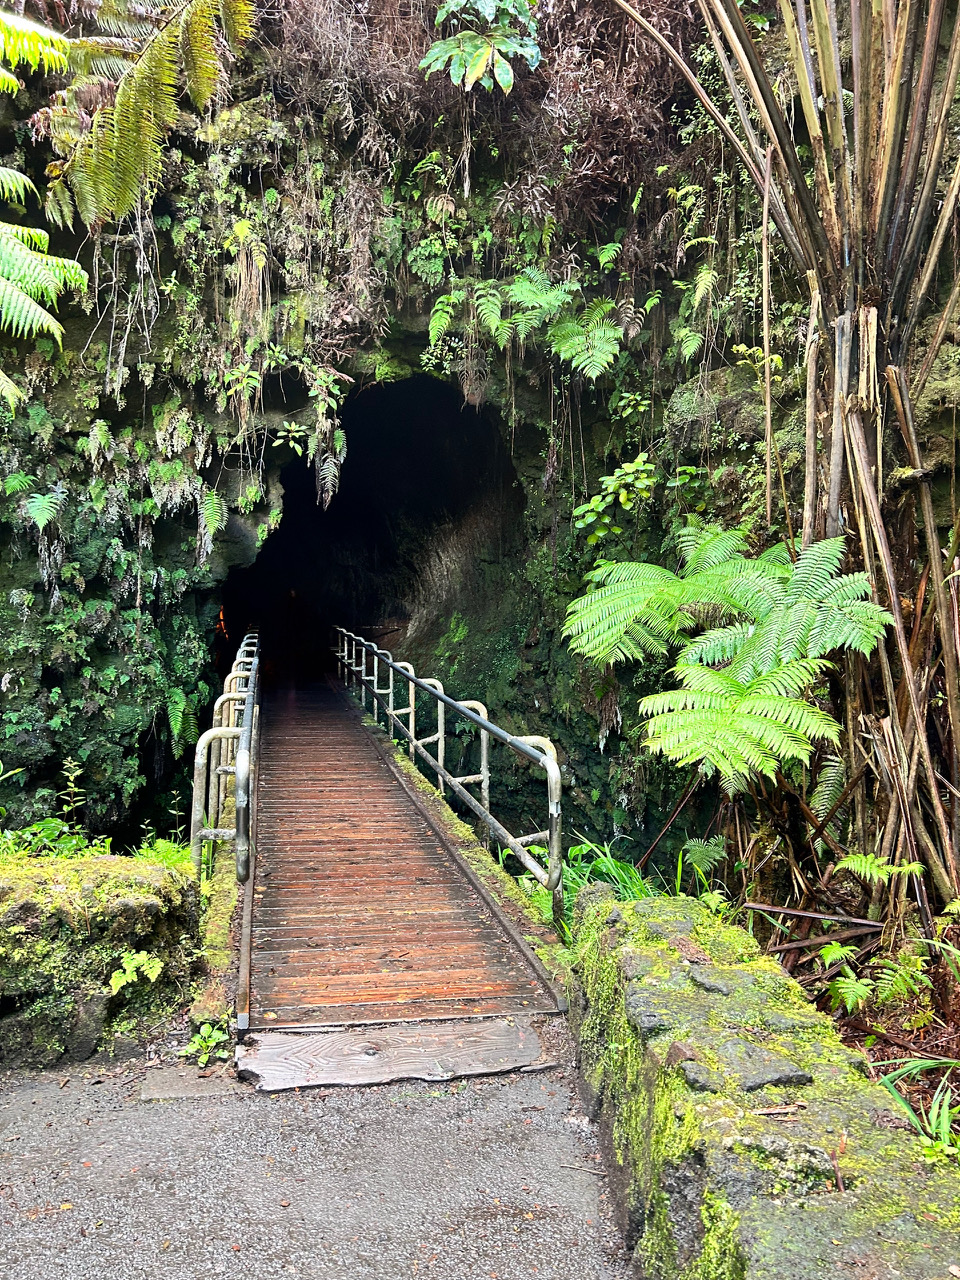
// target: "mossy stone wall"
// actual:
[[744, 1141], [65, 924]]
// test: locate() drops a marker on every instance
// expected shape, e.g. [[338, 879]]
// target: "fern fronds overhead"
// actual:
[[31, 280], [120, 157], [28, 43]]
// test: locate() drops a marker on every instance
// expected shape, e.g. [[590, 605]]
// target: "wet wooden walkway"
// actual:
[[361, 913]]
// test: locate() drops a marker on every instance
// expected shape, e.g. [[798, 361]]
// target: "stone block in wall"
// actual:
[[743, 1140]]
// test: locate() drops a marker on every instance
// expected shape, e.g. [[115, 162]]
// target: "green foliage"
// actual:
[[890, 980], [486, 35], [631, 483], [214, 512], [704, 855], [43, 508], [744, 705], [119, 157], [207, 1042], [182, 718], [31, 279], [50, 838], [532, 308], [873, 870], [133, 966], [25, 42], [938, 1124]]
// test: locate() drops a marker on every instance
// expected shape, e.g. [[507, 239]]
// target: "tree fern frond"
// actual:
[[198, 49], [238, 20], [10, 392], [22, 316], [15, 185], [120, 157], [23, 41], [815, 571]]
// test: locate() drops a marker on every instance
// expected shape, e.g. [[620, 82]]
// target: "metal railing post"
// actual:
[[441, 737], [407, 670], [538, 750], [217, 757]]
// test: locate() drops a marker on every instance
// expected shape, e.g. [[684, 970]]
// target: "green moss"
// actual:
[[690, 1041], [65, 925]]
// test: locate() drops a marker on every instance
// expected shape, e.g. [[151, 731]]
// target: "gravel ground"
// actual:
[[497, 1177]]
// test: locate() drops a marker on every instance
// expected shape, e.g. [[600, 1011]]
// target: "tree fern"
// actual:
[[744, 706], [30, 279], [28, 43], [119, 158]]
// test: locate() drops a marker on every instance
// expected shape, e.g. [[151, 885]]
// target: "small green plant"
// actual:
[[486, 35], [207, 1042], [72, 796], [937, 1125], [890, 981], [133, 966], [630, 484]]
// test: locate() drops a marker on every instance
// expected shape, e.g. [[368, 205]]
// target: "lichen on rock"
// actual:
[[744, 1140]]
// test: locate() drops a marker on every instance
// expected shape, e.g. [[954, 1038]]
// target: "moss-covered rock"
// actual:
[[66, 926], [745, 1141]]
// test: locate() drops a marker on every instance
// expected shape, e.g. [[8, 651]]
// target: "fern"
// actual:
[[30, 279], [182, 718], [119, 158], [607, 254], [27, 43], [744, 704], [873, 870], [328, 478], [442, 314], [43, 508], [836, 953], [705, 855], [213, 512], [704, 285], [18, 482], [900, 979], [488, 302], [853, 993]]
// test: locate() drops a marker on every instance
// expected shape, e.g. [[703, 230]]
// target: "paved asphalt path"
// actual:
[[108, 1172]]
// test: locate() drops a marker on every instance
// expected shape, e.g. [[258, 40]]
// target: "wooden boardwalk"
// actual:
[[361, 913]]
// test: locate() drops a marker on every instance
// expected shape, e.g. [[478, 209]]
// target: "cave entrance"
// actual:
[[428, 495]]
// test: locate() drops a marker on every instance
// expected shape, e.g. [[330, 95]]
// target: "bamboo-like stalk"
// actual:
[[767, 391], [865, 236], [810, 459]]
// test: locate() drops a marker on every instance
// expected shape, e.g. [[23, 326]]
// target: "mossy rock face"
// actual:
[[64, 927], [732, 1114]]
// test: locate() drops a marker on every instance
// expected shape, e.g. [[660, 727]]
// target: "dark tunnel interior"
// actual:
[[418, 461]]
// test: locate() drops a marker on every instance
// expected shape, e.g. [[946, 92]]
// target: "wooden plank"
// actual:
[[275, 1061], [360, 911]]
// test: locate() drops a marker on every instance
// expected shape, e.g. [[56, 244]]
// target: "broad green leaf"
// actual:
[[503, 72], [478, 64]]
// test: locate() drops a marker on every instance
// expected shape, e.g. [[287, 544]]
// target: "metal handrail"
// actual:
[[229, 750], [538, 750]]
